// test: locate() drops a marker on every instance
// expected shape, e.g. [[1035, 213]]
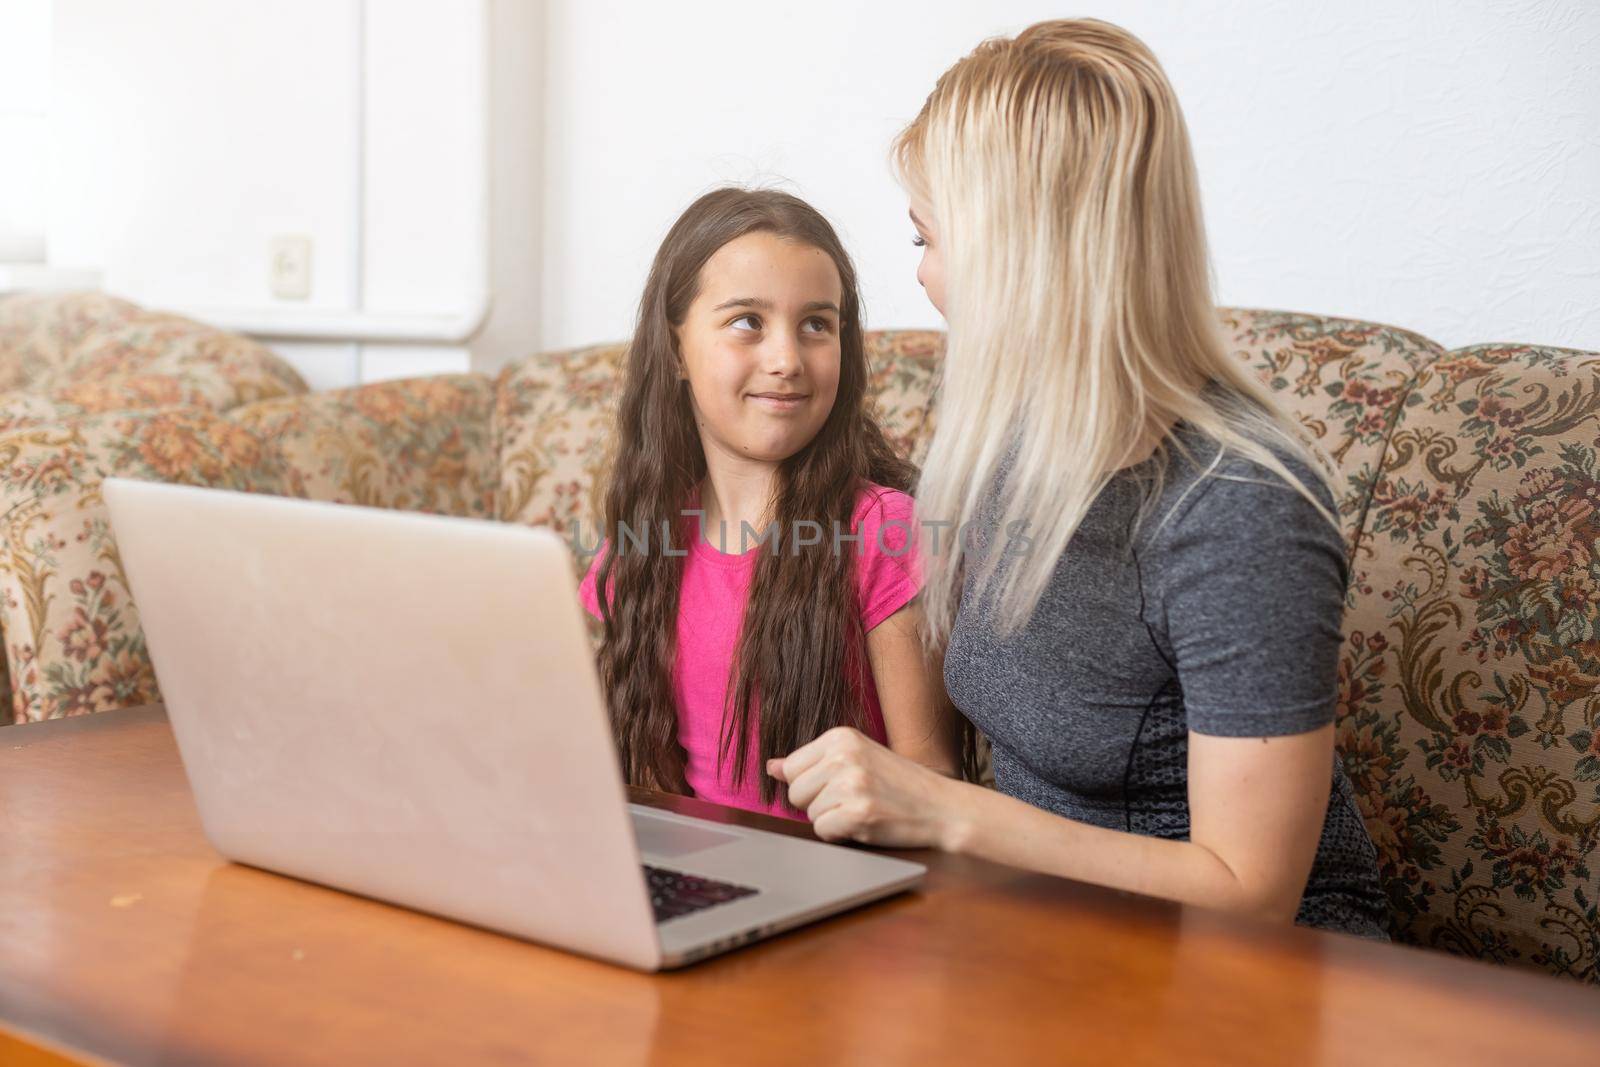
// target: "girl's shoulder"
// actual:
[[877, 504], [887, 572], [886, 521]]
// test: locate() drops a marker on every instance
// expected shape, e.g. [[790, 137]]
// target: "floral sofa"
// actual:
[[68, 360], [1469, 717]]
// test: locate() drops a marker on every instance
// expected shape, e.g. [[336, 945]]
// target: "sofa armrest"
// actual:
[[72, 637]]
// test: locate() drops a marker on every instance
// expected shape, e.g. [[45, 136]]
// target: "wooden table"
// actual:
[[124, 937]]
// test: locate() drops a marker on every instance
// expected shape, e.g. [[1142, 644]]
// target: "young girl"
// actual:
[[759, 556]]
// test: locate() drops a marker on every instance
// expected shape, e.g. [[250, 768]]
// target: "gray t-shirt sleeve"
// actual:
[[1250, 584]]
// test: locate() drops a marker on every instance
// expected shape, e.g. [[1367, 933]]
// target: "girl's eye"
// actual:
[[819, 325], [918, 240], [755, 323]]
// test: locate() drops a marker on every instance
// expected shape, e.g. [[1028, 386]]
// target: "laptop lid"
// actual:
[[395, 704]]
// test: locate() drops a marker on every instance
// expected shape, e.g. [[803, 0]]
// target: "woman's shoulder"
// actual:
[[1215, 494], [1200, 466], [1238, 478]]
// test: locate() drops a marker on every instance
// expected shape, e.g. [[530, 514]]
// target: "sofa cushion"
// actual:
[[1470, 685], [67, 355], [422, 444]]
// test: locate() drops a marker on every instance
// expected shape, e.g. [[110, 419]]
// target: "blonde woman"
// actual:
[[1144, 618]]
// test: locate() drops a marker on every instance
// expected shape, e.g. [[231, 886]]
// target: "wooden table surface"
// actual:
[[125, 938]]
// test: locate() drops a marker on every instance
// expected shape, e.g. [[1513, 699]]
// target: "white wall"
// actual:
[[188, 134], [1434, 165], [24, 105], [1431, 164]]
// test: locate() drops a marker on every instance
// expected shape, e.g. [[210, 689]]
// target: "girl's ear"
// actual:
[[678, 368]]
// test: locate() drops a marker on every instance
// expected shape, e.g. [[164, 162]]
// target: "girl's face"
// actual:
[[760, 347], [930, 272]]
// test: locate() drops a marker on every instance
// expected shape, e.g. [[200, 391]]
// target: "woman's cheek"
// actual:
[[931, 274]]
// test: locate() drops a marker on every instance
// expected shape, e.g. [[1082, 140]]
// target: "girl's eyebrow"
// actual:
[[766, 305]]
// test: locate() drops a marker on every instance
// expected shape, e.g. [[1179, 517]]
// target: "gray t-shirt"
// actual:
[[1219, 613]]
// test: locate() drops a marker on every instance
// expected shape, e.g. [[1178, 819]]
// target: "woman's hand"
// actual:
[[854, 789]]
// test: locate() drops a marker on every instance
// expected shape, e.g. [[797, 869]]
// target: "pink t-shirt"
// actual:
[[711, 601]]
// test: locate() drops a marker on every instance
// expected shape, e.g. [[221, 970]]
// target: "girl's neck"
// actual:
[[733, 493]]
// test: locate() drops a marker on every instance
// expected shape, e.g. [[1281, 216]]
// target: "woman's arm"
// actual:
[[1257, 807], [918, 715]]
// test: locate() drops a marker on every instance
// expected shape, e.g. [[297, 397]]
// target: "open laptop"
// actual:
[[405, 706]]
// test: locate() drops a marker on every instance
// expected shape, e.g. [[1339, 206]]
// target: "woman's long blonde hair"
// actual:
[[1081, 324]]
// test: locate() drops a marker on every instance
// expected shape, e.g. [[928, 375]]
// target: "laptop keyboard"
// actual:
[[674, 894]]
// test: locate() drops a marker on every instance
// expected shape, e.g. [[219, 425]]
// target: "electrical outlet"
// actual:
[[289, 266]]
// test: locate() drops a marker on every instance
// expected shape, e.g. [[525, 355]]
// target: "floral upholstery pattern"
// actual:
[[553, 416], [1470, 682], [63, 356], [72, 636], [1345, 381], [903, 381], [417, 445]]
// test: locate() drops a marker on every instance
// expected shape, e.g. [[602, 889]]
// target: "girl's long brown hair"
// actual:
[[800, 651]]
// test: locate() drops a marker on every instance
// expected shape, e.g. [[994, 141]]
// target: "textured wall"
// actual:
[[1430, 164]]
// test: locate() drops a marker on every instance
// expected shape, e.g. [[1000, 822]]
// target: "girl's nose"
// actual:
[[781, 356]]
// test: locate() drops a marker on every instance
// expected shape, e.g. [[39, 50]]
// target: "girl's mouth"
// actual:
[[780, 401]]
